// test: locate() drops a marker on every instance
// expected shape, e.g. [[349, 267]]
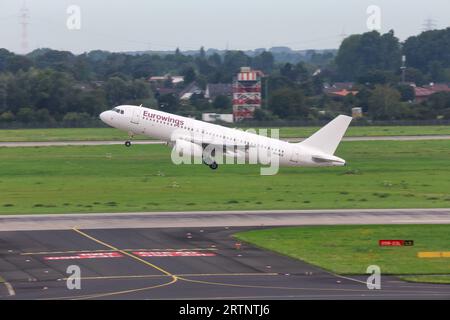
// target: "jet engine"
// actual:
[[187, 149]]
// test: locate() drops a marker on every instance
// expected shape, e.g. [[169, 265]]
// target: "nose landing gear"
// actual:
[[128, 142]]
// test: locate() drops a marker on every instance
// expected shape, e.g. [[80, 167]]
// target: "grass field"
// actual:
[[287, 132], [370, 131], [351, 249], [380, 174], [441, 278]]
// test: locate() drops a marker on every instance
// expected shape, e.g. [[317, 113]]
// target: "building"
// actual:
[[423, 93], [164, 91], [162, 79], [190, 90], [357, 113], [339, 89], [342, 93], [246, 93], [213, 117], [214, 90]]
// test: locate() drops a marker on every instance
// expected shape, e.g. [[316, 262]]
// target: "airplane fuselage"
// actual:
[[137, 120]]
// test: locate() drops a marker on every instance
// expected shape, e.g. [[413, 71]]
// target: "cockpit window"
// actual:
[[117, 110]]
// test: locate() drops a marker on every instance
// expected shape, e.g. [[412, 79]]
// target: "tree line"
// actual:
[[49, 86]]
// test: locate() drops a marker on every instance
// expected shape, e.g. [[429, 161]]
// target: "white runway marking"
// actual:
[[10, 289]]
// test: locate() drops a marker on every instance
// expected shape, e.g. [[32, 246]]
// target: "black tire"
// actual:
[[214, 166], [127, 143]]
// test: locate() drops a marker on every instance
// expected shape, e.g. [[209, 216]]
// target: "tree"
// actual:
[[4, 56], [428, 50], [3, 93], [140, 89], [116, 91], [7, 116], [383, 103], [317, 84], [359, 54], [233, 61], [91, 102], [215, 60], [439, 101], [263, 115], [288, 104], [378, 77], [294, 73], [56, 60], [43, 116], [189, 75], [26, 115], [415, 76], [168, 103], [407, 92], [16, 63], [222, 102], [279, 82], [265, 62], [202, 53], [72, 119], [143, 66]]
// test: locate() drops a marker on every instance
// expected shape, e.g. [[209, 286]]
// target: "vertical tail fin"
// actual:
[[328, 137]]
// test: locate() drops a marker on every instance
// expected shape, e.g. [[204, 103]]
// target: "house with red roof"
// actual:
[[423, 93]]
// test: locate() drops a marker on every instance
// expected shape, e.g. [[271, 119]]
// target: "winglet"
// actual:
[[328, 137]]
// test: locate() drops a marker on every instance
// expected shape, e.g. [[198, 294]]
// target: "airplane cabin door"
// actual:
[[136, 115], [295, 157]]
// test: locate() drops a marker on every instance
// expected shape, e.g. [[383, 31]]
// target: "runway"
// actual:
[[115, 142], [223, 219], [174, 263]]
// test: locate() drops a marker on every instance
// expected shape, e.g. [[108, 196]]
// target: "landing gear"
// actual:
[[214, 165], [209, 161], [128, 142]]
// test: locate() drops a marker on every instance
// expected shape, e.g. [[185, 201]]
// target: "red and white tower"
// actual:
[[246, 93]]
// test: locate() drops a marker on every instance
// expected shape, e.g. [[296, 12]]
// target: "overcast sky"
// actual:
[[129, 25]]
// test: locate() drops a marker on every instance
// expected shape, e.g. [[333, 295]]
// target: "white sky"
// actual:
[[129, 25]]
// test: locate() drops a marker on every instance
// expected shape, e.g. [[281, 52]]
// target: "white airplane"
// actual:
[[195, 136]]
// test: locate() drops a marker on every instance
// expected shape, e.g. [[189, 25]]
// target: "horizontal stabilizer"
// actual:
[[327, 158]]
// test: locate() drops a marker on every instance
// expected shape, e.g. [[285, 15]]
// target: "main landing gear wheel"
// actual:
[[127, 143], [214, 165]]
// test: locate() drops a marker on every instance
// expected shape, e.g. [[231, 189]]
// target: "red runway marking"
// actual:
[[173, 254], [100, 255], [92, 255]]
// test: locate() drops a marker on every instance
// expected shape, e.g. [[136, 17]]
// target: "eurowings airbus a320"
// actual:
[[189, 134]]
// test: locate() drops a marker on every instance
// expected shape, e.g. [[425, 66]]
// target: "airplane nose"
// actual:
[[103, 116]]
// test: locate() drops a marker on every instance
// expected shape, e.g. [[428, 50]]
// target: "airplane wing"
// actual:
[[205, 141]]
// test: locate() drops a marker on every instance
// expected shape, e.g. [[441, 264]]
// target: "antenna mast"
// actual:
[[429, 24], [24, 22]]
